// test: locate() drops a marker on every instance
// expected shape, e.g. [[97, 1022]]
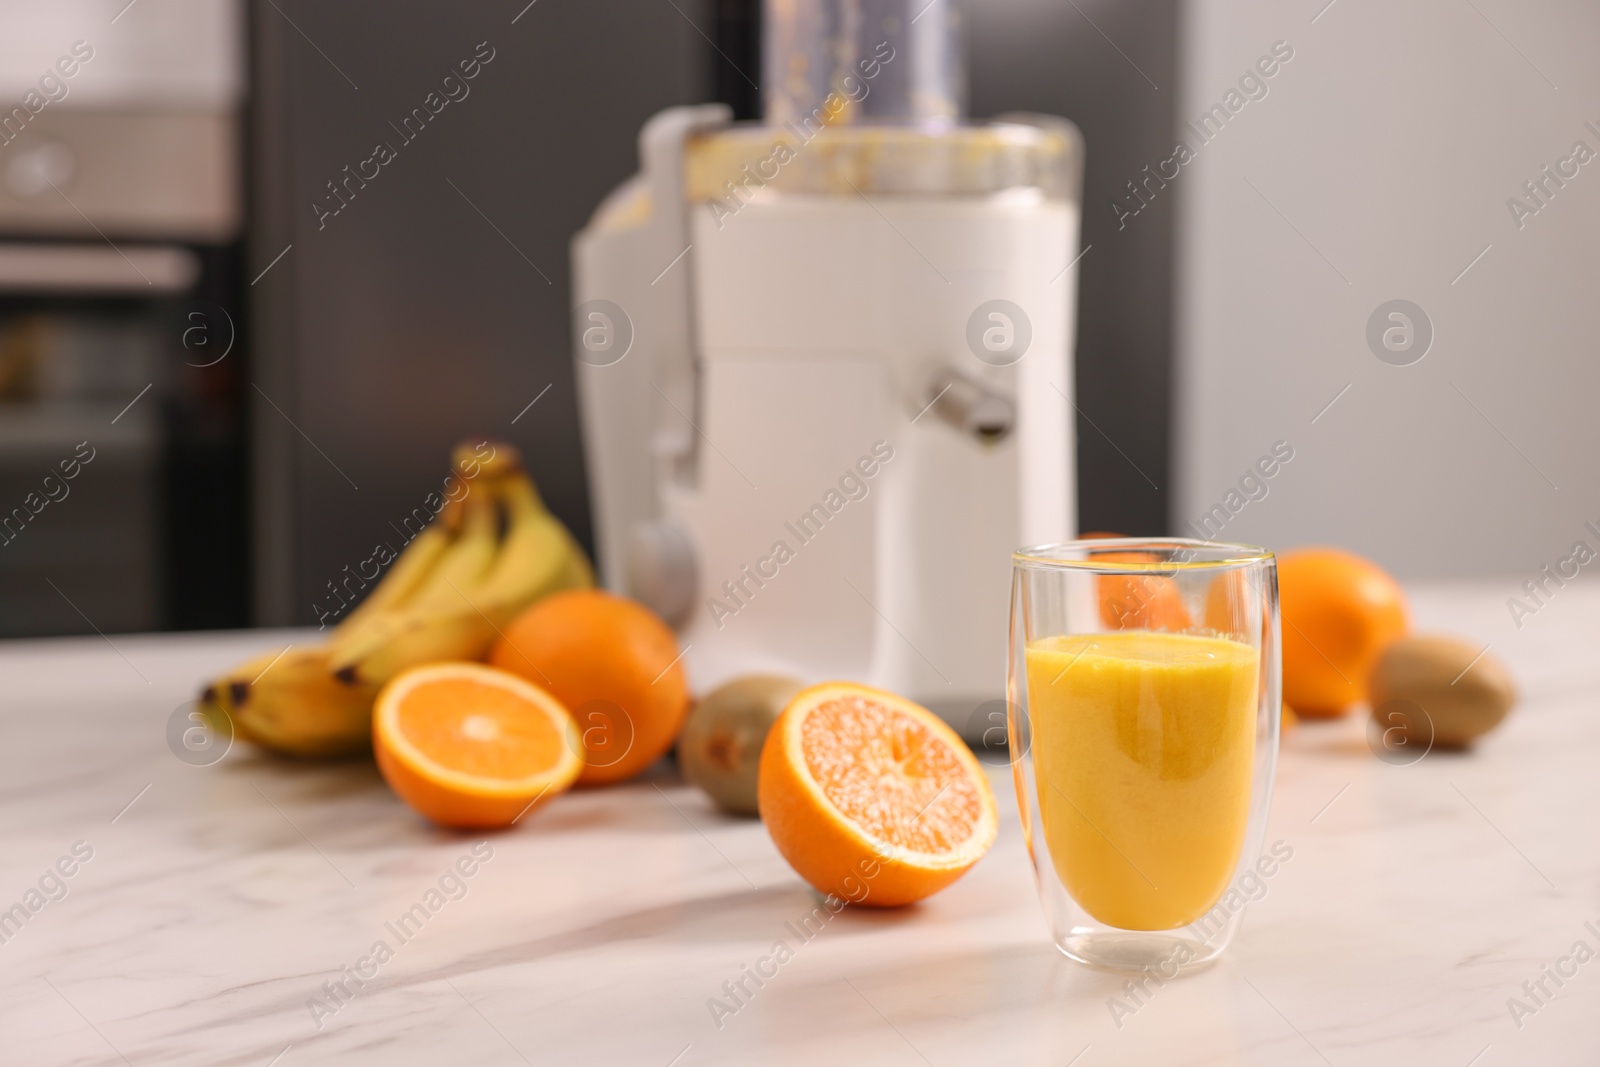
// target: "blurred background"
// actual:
[[254, 366]]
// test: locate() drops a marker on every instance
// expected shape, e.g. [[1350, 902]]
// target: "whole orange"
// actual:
[[617, 668], [1339, 613], [1137, 601]]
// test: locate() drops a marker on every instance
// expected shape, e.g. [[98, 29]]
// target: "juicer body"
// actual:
[[817, 424]]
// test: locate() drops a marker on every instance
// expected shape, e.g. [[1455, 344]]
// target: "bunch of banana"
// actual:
[[488, 555], [294, 705]]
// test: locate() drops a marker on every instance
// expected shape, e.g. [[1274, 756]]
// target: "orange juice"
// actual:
[[1143, 744]]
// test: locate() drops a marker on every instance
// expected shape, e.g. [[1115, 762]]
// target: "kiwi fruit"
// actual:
[[1461, 691], [720, 747]]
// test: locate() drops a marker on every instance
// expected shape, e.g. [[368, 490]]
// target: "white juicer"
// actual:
[[825, 364]]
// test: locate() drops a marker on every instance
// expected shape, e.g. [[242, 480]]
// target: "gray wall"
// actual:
[[1377, 168], [410, 321]]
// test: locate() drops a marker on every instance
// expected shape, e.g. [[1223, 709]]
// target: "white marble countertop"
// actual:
[[218, 901]]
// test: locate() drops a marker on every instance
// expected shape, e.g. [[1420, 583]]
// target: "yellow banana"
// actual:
[[407, 574], [579, 573], [447, 597], [411, 639], [467, 560], [534, 560], [441, 592], [291, 703], [415, 569], [535, 557], [503, 459]]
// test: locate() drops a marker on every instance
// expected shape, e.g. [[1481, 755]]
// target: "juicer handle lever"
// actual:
[[674, 373]]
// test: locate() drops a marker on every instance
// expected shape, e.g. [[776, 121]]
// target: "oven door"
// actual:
[[122, 465]]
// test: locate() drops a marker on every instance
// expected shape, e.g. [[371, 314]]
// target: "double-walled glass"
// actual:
[[1144, 697]]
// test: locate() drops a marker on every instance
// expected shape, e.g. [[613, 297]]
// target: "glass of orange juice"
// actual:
[[1144, 697]]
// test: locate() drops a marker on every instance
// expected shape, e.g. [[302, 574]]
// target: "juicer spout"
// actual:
[[970, 406]]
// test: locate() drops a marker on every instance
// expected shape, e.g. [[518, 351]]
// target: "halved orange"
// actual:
[[871, 797], [468, 745]]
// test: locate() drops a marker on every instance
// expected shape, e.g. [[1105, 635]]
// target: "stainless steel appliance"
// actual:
[[122, 491]]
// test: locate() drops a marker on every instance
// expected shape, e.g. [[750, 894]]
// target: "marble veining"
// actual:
[[223, 904]]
